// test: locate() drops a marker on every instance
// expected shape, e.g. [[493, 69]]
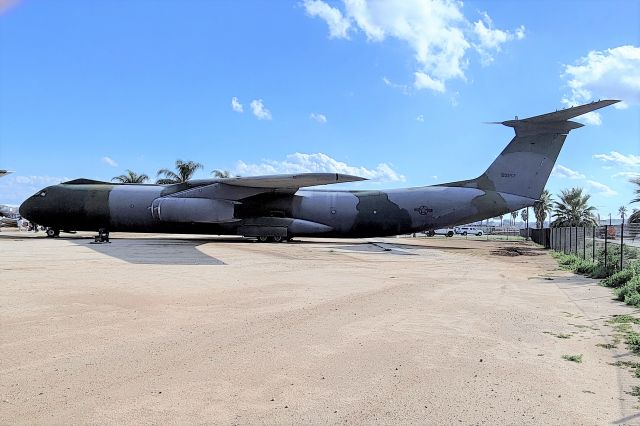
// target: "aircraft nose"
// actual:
[[25, 208], [28, 209]]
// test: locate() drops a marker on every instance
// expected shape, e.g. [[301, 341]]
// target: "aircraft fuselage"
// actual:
[[307, 212]]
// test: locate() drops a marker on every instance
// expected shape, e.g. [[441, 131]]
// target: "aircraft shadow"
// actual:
[[153, 252]]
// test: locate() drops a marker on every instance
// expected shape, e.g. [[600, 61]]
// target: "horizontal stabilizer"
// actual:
[[554, 122], [569, 113], [290, 181]]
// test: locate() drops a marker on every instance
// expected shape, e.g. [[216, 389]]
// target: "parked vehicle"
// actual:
[[465, 230], [448, 232]]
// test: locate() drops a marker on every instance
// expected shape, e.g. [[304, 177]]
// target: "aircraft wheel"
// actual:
[[263, 238], [277, 239]]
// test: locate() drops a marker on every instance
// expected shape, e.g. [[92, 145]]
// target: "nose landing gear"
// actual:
[[102, 237]]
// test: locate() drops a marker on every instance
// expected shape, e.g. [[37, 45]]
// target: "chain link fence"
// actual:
[[613, 246]]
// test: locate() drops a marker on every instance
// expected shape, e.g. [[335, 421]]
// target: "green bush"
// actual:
[[633, 340], [632, 299], [620, 278], [584, 267], [599, 271], [631, 287], [566, 261]]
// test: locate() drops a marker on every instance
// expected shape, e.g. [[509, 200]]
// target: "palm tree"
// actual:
[[184, 169], [622, 210], [635, 216], [573, 209], [541, 207], [636, 181], [524, 214], [514, 215], [131, 177], [221, 174]]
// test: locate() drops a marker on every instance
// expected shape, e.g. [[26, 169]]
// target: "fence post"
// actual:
[[593, 245], [560, 246], [606, 238], [621, 245], [570, 239], [584, 243], [576, 241]]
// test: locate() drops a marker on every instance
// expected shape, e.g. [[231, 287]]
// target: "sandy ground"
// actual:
[[168, 330]]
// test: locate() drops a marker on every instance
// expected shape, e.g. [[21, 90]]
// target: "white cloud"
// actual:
[[619, 159], [109, 161], [420, 118], [318, 118], [317, 163], [609, 74], [565, 172], [402, 87], [14, 189], [436, 31], [423, 81], [258, 109], [601, 189], [491, 39], [626, 175], [236, 105], [338, 24]]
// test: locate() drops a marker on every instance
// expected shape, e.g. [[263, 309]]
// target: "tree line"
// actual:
[[571, 209], [184, 171]]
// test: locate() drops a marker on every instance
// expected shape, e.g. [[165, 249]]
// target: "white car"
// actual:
[[468, 230], [449, 232]]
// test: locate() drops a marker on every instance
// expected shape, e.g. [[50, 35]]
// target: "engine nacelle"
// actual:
[[193, 210]]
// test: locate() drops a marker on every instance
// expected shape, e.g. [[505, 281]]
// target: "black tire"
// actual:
[[464, 233], [431, 234], [263, 238], [479, 234], [450, 234], [276, 239]]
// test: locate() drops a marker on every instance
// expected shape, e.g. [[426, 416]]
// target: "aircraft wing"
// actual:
[[238, 188], [290, 181]]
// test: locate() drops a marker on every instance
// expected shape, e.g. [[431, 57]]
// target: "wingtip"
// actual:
[[352, 178]]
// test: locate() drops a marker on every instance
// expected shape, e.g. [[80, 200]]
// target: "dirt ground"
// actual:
[[170, 330]]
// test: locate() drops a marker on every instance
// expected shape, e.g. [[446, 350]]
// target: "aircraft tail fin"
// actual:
[[524, 166]]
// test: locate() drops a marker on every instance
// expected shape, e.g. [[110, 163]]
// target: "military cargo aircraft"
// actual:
[[279, 207]]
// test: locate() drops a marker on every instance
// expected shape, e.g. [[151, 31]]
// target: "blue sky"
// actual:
[[396, 91]]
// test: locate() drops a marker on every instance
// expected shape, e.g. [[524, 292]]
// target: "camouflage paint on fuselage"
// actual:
[[276, 205]]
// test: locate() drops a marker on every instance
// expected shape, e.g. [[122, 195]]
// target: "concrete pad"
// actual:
[[178, 329]]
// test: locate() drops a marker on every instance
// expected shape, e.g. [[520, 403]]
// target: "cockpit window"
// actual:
[[43, 193]]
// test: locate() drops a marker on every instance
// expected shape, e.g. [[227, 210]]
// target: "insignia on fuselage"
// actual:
[[423, 210]]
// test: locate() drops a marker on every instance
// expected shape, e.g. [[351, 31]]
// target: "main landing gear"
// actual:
[[52, 233], [102, 237], [272, 239]]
